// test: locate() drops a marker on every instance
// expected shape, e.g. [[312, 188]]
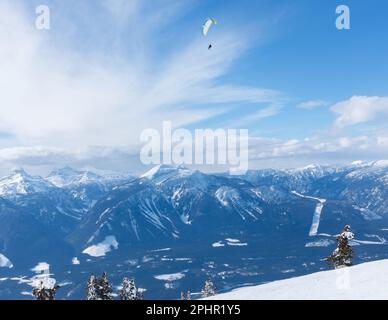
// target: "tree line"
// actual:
[[101, 289]]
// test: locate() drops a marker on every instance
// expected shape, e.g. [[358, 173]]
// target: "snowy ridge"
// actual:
[[67, 176], [161, 173], [21, 183], [367, 281]]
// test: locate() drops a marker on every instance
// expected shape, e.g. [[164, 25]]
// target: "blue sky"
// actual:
[[106, 70]]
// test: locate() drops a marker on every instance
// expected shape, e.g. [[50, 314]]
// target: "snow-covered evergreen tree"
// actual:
[[44, 293], [186, 297], [91, 290], [342, 256], [140, 294], [128, 290], [209, 289], [104, 288]]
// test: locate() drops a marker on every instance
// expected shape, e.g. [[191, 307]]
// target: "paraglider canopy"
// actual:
[[208, 25]]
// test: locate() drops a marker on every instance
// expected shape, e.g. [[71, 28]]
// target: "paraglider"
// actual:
[[209, 23]]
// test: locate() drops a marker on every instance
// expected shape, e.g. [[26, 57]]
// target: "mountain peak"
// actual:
[[19, 171], [310, 167], [64, 171], [163, 170], [67, 176], [381, 163], [358, 163], [19, 182]]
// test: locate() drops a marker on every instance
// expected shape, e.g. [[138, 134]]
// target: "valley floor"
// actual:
[[368, 281]]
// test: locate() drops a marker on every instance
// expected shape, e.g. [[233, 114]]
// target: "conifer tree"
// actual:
[[128, 290], [343, 255], [91, 289], [186, 297], [52, 292], [140, 294], [209, 289], [104, 288], [44, 293]]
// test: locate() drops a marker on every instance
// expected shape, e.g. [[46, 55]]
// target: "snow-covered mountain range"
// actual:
[[264, 225]]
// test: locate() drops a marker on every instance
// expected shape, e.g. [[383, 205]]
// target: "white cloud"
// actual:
[[57, 95], [360, 109], [382, 141], [22, 154], [62, 94], [320, 147], [312, 104], [259, 115], [40, 159]]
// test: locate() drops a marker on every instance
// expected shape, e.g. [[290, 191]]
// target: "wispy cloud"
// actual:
[[360, 109], [71, 98], [312, 104], [259, 115], [109, 69], [328, 148]]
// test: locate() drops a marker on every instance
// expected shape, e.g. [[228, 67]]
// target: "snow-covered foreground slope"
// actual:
[[367, 281]]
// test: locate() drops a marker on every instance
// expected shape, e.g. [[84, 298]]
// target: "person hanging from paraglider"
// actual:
[[209, 23]]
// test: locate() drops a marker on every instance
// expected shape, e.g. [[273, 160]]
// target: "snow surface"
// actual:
[[161, 250], [229, 242], [317, 213], [227, 195], [237, 244], [367, 281], [367, 214], [218, 244], [170, 277], [41, 267], [162, 173], [21, 183], [320, 243], [67, 176], [5, 262], [381, 163], [42, 277], [99, 250]]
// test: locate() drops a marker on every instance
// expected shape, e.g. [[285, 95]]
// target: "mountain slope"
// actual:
[[135, 212], [263, 226], [20, 183], [181, 205], [84, 185], [368, 281], [34, 195], [363, 185], [24, 239]]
